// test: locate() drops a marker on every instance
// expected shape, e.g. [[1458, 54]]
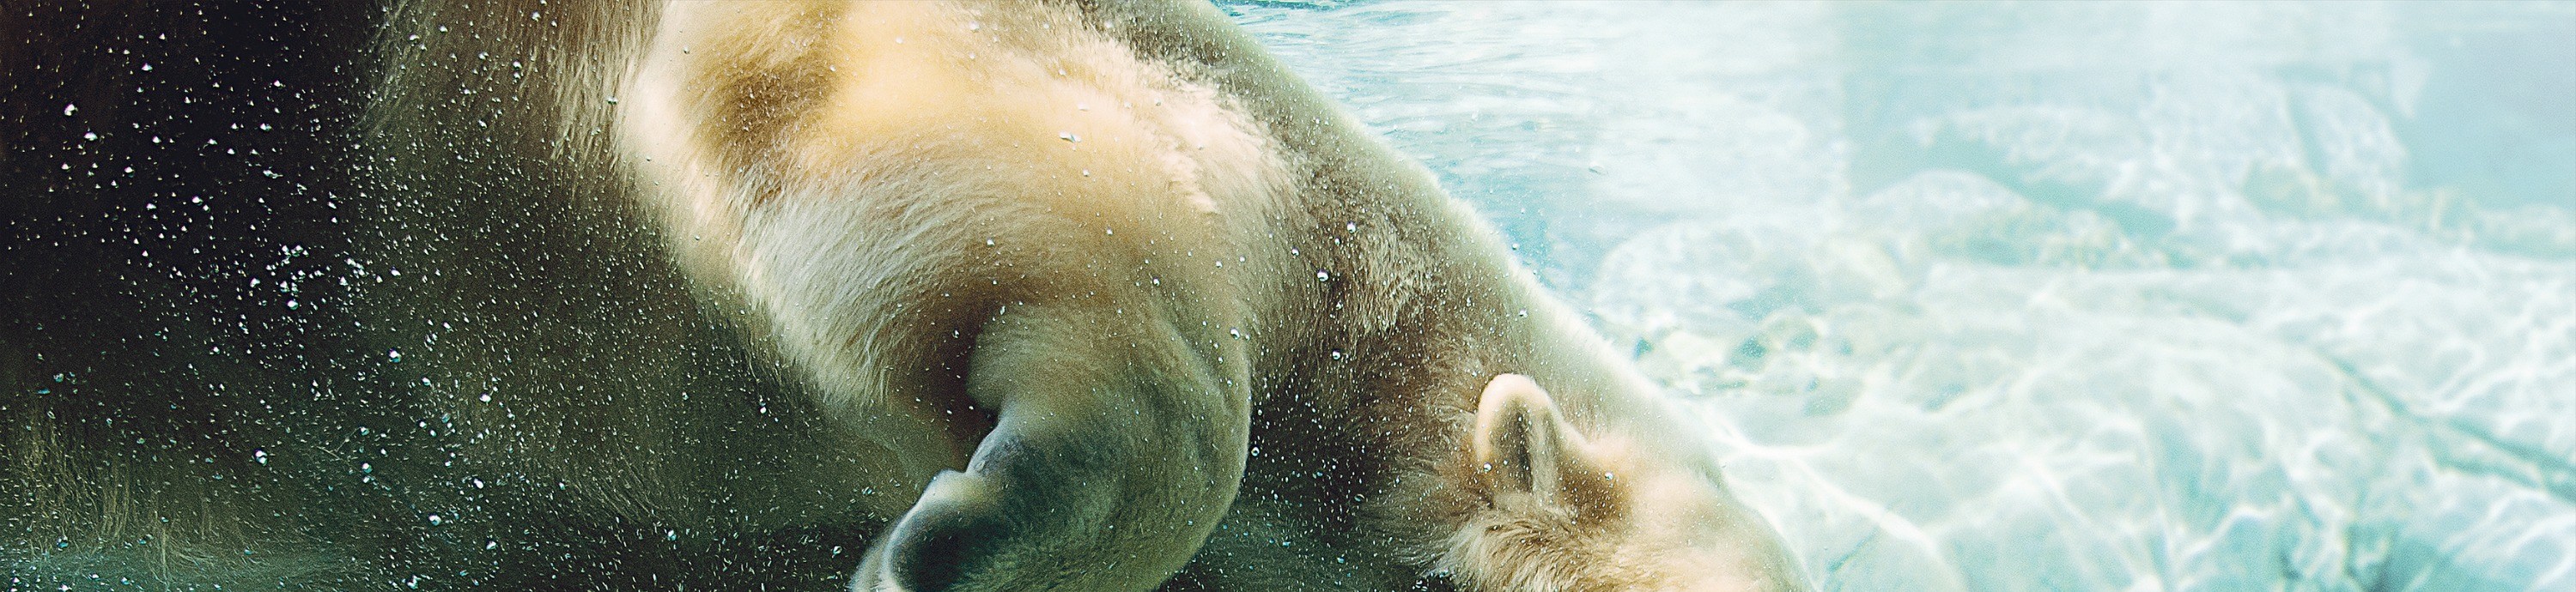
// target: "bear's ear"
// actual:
[[1523, 446]]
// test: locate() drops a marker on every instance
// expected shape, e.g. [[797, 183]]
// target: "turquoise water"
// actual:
[[2049, 296]]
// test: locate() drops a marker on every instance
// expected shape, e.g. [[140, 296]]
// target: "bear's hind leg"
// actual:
[[1118, 447]]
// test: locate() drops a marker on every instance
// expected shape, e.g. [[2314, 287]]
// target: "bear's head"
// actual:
[[1546, 508]]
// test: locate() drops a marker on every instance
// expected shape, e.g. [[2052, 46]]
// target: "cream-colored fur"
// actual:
[[1057, 270], [866, 177], [913, 152], [1552, 510]]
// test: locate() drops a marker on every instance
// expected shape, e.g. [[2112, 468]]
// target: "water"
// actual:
[[2049, 296]]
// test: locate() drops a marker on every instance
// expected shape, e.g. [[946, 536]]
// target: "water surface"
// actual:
[[2069, 296]]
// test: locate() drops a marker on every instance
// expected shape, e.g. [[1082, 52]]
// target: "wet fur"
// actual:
[[710, 319]]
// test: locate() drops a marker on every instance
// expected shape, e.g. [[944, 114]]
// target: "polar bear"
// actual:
[[1001, 296], [1129, 231]]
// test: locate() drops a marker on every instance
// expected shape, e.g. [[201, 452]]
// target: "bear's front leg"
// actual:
[[1118, 446]]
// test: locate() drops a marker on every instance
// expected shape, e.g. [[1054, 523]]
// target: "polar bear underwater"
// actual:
[[887, 295]]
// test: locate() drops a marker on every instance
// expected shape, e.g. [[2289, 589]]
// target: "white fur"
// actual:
[[957, 134]]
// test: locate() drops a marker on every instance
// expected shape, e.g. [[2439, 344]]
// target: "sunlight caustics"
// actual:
[[2054, 296]]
